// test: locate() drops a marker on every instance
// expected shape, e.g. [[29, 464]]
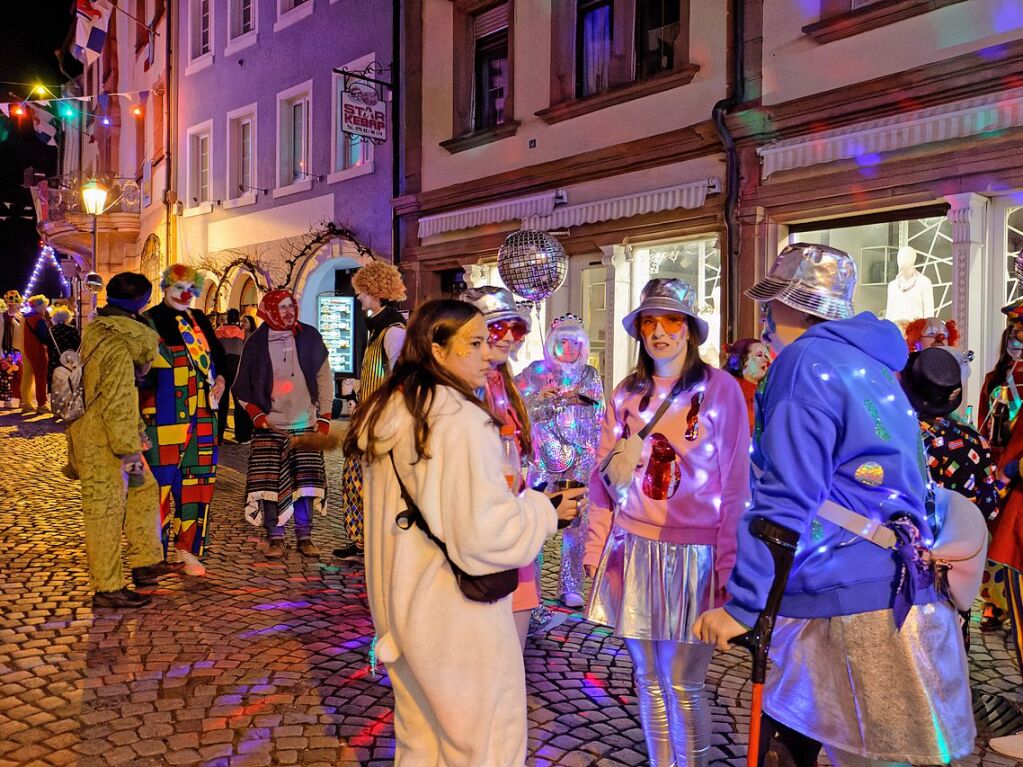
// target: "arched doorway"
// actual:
[[248, 298]]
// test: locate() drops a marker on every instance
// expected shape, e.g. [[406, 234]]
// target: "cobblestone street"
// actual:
[[264, 663]]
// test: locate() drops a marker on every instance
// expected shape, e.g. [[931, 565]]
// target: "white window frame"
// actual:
[[199, 61], [242, 40], [238, 198], [288, 13], [203, 129], [285, 99], [339, 173]]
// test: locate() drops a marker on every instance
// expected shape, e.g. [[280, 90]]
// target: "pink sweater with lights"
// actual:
[[712, 466]]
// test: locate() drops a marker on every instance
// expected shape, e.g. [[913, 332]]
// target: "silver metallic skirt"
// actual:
[[857, 684], [646, 589]]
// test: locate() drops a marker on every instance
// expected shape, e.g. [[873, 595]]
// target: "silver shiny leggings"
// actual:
[[669, 685]]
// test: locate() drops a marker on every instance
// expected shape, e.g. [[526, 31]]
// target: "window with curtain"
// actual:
[[141, 32], [245, 156], [657, 28], [490, 67], [298, 141], [593, 46], [200, 28], [242, 19]]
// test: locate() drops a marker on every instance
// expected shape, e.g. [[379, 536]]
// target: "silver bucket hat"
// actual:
[[495, 303], [815, 279], [666, 295]]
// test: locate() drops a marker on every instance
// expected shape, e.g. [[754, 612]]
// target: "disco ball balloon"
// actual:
[[532, 264], [93, 282]]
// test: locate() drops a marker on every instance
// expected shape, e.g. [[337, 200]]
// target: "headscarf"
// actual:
[[269, 313]]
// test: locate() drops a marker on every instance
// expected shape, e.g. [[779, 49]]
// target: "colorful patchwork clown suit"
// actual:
[[178, 406]]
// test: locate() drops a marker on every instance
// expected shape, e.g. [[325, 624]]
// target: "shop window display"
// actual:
[[1013, 245], [904, 267], [698, 262]]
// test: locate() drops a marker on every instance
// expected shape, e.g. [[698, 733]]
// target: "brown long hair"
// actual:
[[515, 400], [641, 379], [415, 377]]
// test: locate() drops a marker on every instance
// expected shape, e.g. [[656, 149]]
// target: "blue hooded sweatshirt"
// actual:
[[836, 425]]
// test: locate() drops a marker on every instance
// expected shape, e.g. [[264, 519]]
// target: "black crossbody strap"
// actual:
[[680, 386], [412, 515]]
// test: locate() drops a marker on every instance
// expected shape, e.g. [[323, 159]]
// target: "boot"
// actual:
[[307, 548], [149, 575], [119, 600], [348, 551], [275, 549]]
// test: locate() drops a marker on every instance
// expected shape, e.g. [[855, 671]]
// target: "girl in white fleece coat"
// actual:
[[455, 665]]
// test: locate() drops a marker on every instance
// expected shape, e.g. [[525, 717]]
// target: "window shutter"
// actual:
[[488, 22]]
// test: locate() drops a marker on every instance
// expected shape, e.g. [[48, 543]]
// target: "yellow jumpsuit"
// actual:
[[111, 428]]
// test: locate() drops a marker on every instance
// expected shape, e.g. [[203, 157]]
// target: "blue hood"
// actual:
[[878, 339], [834, 425]]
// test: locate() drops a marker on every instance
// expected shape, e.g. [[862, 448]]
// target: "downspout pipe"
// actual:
[[169, 94], [396, 80], [736, 95]]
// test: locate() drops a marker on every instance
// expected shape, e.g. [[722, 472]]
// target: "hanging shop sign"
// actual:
[[363, 113]]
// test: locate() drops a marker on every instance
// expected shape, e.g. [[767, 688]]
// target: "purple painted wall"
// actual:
[[333, 34]]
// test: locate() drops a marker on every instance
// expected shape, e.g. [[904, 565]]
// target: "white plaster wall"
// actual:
[[795, 65], [632, 120]]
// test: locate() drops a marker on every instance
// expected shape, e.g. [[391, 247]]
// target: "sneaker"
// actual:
[[544, 619], [572, 599], [274, 549], [307, 548], [1010, 745], [192, 565], [124, 598], [349, 551], [149, 575], [42, 409]]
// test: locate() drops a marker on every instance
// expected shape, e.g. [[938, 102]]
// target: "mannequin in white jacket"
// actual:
[[455, 665]]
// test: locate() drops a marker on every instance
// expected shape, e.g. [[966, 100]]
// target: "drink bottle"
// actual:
[[511, 461], [1000, 425]]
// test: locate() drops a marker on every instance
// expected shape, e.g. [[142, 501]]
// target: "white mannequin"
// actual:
[[910, 294]]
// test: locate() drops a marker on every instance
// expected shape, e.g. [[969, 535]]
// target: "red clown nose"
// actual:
[[186, 295]]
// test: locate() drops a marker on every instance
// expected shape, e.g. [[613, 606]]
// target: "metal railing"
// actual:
[[62, 195]]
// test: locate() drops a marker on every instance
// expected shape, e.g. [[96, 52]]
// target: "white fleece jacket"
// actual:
[[455, 665]]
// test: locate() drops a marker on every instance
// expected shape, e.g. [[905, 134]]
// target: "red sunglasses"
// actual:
[[500, 328]]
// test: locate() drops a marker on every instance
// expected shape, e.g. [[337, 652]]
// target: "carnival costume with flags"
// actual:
[[565, 401], [286, 385], [180, 418]]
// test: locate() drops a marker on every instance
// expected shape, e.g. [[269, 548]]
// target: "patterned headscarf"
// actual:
[[269, 313]]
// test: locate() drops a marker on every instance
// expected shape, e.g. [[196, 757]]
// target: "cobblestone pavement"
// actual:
[[264, 663]]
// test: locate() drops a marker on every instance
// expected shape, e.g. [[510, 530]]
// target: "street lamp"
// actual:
[[94, 198]]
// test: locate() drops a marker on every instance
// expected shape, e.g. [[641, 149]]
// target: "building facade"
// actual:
[[592, 120], [114, 119], [870, 144], [270, 190], [595, 120]]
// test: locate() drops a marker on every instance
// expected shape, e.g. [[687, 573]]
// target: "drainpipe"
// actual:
[[736, 95], [168, 147], [395, 127]]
